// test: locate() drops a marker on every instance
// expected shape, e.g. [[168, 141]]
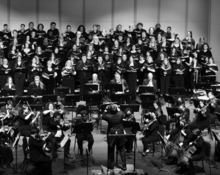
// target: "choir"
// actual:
[[33, 59]]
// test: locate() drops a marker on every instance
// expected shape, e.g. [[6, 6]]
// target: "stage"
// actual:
[[149, 164]]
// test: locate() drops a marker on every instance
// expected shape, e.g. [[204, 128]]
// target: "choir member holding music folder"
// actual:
[[5, 72]]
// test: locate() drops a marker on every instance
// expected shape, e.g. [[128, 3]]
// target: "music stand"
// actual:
[[92, 99], [134, 126], [121, 98], [146, 89], [195, 102], [203, 85], [162, 145], [5, 99], [134, 107], [2, 104], [147, 97], [172, 111], [215, 88], [72, 99], [91, 87], [113, 87], [62, 91], [36, 92], [169, 99], [24, 100], [177, 91], [49, 98], [208, 79], [7, 92]]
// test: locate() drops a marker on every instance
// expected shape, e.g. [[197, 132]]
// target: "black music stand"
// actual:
[[121, 98], [91, 87], [24, 100], [203, 86], [169, 99], [61, 91], [72, 99], [177, 91], [146, 89], [161, 161], [195, 102], [36, 92], [113, 87], [7, 92], [5, 99], [134, 126], [134, 107], [208, 79], [49, 98], [2, 104], [92, 99], [215, 88], [172, 111], [147, 97]]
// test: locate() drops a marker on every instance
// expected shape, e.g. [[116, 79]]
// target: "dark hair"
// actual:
[[52, 23], [5, 25], [22, 25], [40, 25], [68, 26], [169, 27], [48, 104], [84, 29], [10, 102], [31, 23]]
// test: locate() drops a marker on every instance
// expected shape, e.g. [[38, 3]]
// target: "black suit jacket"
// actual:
[[36, 149]]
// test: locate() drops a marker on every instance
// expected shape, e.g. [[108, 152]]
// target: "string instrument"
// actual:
[[187, 153], [146, 126]]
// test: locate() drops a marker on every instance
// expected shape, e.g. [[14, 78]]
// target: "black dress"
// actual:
[[4, 74], [69, 79], [19, 77], [132, 79], [49, 83]]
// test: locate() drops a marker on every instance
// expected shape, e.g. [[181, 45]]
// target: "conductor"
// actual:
[[114, 116]]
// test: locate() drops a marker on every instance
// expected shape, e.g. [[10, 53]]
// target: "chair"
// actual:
[[161, 131], [27, 161], [74, 147], [207, 148]]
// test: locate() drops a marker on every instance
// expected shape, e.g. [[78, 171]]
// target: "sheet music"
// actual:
[[20, 141]]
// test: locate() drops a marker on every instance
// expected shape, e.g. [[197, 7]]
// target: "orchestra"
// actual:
[[33, 59]]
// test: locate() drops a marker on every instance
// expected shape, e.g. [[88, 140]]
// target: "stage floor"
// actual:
[[99, 157]]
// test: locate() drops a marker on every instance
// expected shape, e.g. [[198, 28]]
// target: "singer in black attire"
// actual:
[[114, 117]]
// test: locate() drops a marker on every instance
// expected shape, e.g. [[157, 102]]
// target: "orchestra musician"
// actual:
[[114, 117], [37, 153], [68, 75], [129, 116], [185, 163], [85, 134], [149, 131], [95, 80], [36, 84], [181, 119], [119, 80], [150, 82]]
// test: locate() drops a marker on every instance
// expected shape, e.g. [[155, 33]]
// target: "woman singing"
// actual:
[[5, 71], [132, 77], [178, 73], [35, 68], [68, 73], [19, 76], [49, 78], [165, 77], [9, 85]]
